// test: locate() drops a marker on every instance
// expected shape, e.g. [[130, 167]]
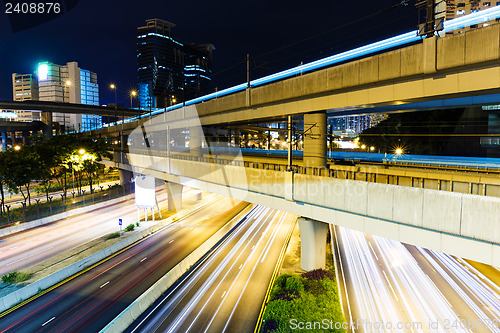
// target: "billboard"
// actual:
[[145, 192]]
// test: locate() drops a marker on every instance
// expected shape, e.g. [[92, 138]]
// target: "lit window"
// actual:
[[486, 4], [461, 12]]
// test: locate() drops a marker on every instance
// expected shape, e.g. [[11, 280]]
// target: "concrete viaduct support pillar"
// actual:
[[13, 138], [315, 139], [174, 192], [195, 140], [237, 138], [312, 243], [125, 177], [47, 121]]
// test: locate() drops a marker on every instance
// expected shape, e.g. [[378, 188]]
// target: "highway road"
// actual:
[[389, 286], [33, 246], [226, 292], [88, 301]]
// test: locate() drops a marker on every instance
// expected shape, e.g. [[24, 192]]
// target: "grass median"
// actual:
[[307, 301]]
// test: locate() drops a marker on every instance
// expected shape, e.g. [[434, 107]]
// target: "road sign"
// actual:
[[120, 221]]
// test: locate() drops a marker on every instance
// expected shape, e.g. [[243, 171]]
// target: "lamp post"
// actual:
[[66, 84], [133, 93], [113, 87]]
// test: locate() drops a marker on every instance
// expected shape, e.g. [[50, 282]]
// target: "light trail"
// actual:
[[213, 297], [435, 290]]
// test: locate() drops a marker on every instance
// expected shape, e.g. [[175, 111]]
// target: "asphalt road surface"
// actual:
[[226, 292], [33, 246], [89, 300]]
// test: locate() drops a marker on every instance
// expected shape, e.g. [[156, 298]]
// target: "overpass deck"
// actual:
[[478, 181], [454, 222]]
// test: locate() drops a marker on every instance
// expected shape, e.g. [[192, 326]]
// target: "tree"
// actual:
[[48, 157], [21, 170]]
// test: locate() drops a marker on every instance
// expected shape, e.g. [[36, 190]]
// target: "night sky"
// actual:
[[101, 36]]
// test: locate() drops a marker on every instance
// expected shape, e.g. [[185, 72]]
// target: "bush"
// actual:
[[112, 235], [294, 282], [304, 298], [130, 227], [270, 326], [286, 295], [137, 224], [15, 277], [318, 274]]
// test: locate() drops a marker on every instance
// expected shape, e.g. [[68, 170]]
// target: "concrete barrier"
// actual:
[[143, 302], [32, 289]]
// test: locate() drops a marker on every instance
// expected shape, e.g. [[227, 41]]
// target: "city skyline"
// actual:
[[114, 37]]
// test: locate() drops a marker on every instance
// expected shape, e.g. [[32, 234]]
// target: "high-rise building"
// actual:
[[69, 84], [353, 124], [169, 71], [24, 88], [451, 9]]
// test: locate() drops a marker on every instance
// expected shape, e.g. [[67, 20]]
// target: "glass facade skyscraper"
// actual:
[[169, 71]]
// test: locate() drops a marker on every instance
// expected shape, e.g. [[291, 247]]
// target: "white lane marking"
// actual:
[[390, 285], [240, 266], [262, 254], [372, 250], [224, 294], [273, 234], [240, 247], [195, 274], [48, 321], [144, 259], [171, 241], [104, 284]]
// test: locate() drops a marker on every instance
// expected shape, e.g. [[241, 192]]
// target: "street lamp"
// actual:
[[133, 93], [399, 151], [113, 86], [81, 151], [17, 148]]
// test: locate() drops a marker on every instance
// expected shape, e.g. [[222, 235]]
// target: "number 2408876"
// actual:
[[32, 8]]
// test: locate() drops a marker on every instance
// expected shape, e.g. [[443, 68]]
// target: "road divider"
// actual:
[[17, 298], [143, 302]]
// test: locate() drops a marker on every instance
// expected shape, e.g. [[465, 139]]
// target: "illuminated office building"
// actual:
[[70, 84], [24, 88], [169, 71], [353, 124]]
